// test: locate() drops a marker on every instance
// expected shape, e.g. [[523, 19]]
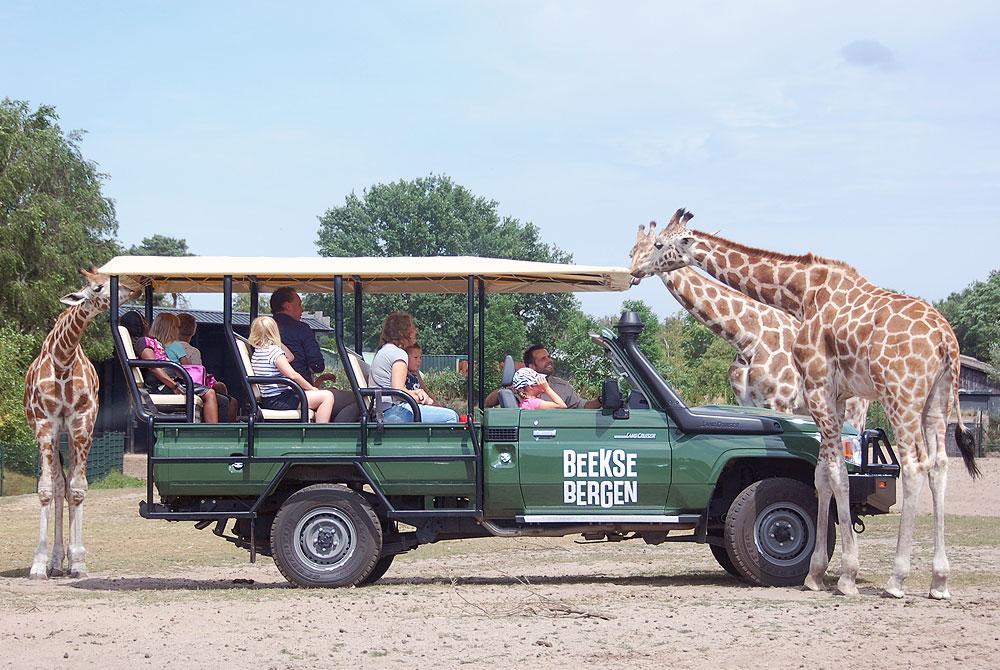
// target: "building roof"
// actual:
[[975, 364], [405, 274], [208, 316]]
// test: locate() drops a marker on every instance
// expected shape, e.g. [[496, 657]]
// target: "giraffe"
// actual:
[[60, 396], [856, 340], [763, 374]]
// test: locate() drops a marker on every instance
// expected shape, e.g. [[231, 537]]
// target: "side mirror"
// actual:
[[611, 400]]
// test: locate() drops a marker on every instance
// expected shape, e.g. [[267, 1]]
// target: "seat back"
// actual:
[[130, 354], [360, 368], [508, 371], [243, 347]]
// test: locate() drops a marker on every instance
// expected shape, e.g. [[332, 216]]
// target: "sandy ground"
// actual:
[[166, 595]]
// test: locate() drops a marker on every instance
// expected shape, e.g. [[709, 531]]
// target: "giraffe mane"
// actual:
[[806, 259]]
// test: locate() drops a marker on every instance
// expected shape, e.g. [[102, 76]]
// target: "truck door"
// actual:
[[576, 461]]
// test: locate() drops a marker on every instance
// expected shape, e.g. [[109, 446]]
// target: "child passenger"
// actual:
[[414, 378], [269, 360], [529, 384], [149, 347]]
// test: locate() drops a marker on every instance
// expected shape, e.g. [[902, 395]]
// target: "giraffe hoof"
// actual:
[[55, 571], [846, 588], [78, 573], [38, 572], [892, 592], [813, 584], [939, 594]]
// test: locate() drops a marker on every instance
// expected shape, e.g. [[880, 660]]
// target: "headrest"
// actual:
[[508, 371]]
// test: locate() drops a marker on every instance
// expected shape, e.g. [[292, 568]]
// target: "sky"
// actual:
[[865, 131]]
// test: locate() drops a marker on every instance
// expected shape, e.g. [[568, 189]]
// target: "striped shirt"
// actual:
[[263, 361]]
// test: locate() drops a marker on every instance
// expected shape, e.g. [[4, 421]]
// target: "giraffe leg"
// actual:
[[935, 424], [912, 464], [912, 483], [81, 439], [43, 432], [820, 560], [55, 566], [832, 475]]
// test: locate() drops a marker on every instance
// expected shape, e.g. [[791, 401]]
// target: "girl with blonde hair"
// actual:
[[269, 360]]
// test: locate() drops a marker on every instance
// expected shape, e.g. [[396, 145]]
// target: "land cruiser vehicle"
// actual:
[[333, 504]]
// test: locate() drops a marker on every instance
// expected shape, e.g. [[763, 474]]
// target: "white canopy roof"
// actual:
[[406, 274]]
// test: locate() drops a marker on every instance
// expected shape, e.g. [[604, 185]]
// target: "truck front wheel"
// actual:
[[326, 535], [771, 531]]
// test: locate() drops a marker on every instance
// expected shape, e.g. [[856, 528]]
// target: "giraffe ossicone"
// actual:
[[856, 339]]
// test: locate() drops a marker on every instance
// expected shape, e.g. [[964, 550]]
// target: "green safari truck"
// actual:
[[333, 504]]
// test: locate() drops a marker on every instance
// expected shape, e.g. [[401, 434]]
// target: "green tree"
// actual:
[[161, 245], [974, 313], [54, 219], [432, 216], [16, 351]]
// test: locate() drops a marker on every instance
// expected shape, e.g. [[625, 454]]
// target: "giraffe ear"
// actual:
[[72, 299]]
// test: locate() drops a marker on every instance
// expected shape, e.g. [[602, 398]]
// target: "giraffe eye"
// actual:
[[99, 288]]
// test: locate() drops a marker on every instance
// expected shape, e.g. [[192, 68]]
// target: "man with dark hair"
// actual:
[[538, 359], [286, 307]]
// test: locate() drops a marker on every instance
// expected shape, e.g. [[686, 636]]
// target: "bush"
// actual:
[[16, 352], [447, 386]]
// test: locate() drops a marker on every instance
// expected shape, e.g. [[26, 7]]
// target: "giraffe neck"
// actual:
[[779, 280], [715, 305], [64, 338]]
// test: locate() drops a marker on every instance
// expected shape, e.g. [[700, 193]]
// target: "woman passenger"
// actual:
[[389, 369], [269, 360]]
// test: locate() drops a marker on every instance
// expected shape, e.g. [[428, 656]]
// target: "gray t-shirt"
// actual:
[[566, 392], [381, 368]]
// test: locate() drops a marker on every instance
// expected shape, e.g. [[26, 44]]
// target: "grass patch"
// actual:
[[116, 480], [16, 484]]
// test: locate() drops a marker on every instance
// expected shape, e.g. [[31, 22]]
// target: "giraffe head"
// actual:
[[671, 249], [640, 251], [95, 293]]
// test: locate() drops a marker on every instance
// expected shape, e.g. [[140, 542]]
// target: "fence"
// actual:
[[106, 454]]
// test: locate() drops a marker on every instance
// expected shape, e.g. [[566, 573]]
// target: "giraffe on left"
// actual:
[[60, 396]]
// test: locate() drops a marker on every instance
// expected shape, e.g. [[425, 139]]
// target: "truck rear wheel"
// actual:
[[326, 535], [722, 558], [381, 567], [771, 531]]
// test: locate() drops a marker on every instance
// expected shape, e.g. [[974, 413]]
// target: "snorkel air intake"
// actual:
[[629, 327]]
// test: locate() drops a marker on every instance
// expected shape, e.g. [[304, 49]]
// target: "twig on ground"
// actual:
[[534, 603]]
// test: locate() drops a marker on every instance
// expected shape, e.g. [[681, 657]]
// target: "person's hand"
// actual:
[[179, 389], [421, 397]]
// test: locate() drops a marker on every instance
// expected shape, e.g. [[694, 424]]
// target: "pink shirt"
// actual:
[[531, 403]]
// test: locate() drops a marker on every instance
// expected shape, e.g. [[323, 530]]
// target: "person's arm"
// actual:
[[286, 370], [493, 399], [160, 373], [423, 386], [397, 380], [314, 357], [555, 402]]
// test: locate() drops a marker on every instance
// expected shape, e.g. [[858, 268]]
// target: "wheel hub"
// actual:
[[783, 533], [325, 539]]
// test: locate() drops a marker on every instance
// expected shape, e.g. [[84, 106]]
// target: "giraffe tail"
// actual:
[[964, 438]]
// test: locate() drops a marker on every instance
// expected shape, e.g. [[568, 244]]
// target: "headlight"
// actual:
[[852, 449]]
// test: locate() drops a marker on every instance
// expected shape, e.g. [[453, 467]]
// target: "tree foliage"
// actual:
[[54, 219], [162, 245], [432, 216], [16, 352], [974, 313]]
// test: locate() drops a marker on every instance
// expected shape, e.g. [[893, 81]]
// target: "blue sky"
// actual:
[[861, 131]]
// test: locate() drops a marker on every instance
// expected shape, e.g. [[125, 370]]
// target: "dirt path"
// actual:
[[166, 595]]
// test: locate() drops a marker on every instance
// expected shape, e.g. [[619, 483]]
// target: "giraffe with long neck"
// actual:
[[60, 397], [856, 340], [763, 374]]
